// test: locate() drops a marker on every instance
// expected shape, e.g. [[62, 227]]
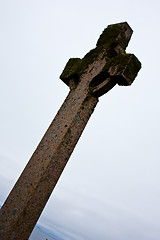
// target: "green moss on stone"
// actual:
[[132, 69], [113, 36], [124, 67], [70, 70]]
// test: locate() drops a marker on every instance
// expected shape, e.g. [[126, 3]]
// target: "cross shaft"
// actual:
[[88, 78]]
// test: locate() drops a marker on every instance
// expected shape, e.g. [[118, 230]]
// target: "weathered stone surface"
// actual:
[[88, 78]]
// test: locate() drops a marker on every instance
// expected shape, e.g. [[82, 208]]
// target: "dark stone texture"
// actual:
[[88, 78]]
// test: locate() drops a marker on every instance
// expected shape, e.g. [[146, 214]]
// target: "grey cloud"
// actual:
[[80, 217]]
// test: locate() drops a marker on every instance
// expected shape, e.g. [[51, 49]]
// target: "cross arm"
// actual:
[[121, 70], [70, 70], [124, 68]]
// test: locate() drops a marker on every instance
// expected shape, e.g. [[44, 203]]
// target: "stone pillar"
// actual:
[[88, 78]]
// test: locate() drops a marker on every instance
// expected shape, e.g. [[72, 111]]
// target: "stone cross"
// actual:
[[88, 79]]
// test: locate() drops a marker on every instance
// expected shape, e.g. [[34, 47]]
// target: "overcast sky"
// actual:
[[110, 189]]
